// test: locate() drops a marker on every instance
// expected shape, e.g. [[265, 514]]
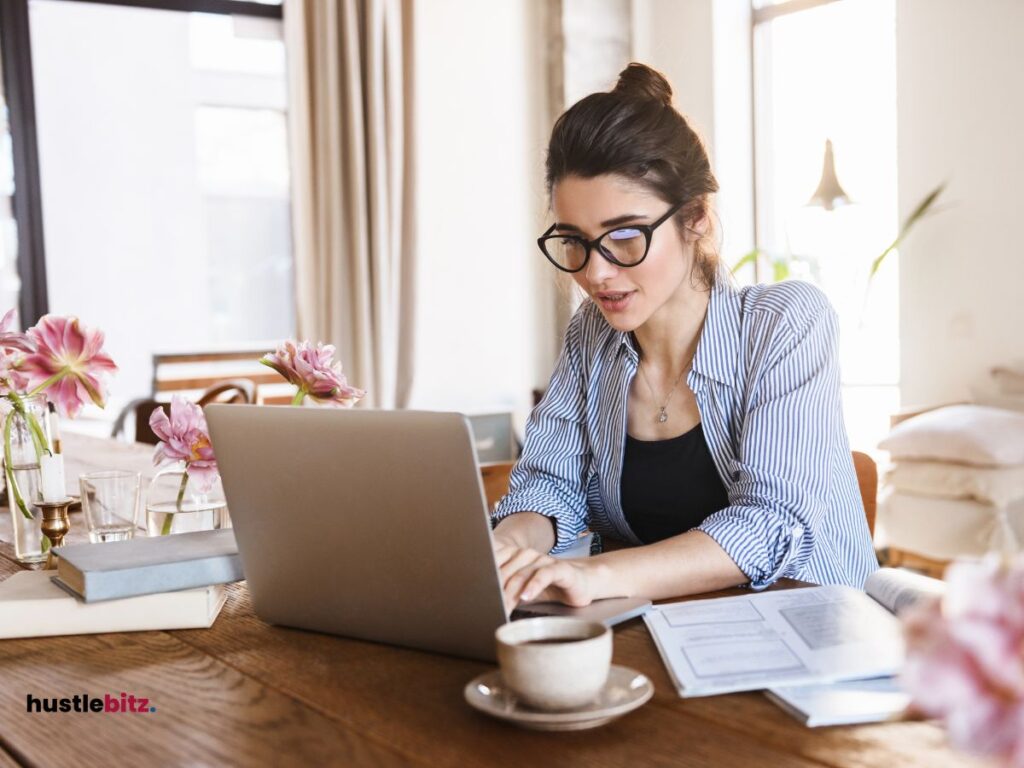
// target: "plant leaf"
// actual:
[[919, 212]]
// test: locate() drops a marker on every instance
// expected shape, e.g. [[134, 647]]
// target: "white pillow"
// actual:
[[946, 528], [965, 434], [1000, 486]]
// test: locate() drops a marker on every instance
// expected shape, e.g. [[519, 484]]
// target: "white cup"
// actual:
[[554, 662]]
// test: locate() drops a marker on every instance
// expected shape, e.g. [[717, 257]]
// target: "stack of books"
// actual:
[[165, 582]]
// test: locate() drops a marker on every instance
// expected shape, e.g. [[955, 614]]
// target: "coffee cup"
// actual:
[[554, 663]]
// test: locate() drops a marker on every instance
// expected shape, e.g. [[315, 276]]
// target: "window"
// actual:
[[827, 72], [164, 177]]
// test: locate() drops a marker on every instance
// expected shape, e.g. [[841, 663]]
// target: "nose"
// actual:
[[599, 269]]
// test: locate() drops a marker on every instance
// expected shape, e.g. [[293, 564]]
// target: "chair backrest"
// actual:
[[495, 476], [867, 479], [193, 374], [234, 391]]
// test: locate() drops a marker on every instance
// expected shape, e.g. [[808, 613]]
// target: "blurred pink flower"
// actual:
[[185, 437], [11, 379], [311, 370], [12, 339], [69, 364], [965, 658]]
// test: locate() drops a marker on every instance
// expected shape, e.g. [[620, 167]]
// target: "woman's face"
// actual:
[[627, 296]]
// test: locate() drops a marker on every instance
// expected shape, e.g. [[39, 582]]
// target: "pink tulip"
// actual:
[[13, 340], [185, 437], [11, 379], [69, 364], [965, 658], [311, 370]]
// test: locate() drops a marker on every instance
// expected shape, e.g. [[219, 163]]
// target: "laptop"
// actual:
[[369, 524]]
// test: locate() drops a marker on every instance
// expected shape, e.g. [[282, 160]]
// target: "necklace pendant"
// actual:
[[662, 416]]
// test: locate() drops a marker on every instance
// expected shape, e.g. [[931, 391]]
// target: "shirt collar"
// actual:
[[718, 346]]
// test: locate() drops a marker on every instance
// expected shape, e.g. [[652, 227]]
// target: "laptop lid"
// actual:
[[363, 523]]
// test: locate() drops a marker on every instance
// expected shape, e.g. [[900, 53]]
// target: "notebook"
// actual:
[[149, 565], [32, 605]]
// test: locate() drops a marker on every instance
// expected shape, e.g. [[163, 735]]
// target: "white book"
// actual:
[[846, 703], [32, 605], [767, 639]]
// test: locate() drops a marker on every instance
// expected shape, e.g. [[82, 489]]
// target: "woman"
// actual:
[[700, 423]]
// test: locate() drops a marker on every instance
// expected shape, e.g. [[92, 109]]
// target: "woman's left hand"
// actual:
[[528, 575]]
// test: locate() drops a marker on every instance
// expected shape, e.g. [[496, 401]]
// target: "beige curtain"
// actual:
[[350, 118]]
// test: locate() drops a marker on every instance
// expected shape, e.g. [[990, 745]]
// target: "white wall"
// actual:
[[960, 91], [703, 48], [485, 304]]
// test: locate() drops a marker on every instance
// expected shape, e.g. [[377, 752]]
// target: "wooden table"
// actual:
[[246, 693]]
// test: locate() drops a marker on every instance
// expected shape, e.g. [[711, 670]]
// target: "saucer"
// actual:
[[625, 690]]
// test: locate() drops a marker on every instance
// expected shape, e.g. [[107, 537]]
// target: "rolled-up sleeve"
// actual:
[[550, 477], [787, 445]]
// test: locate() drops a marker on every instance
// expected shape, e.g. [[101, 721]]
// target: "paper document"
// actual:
[[766, 639]]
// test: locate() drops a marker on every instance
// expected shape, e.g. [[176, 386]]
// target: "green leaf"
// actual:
[[780, 270], [919, 212], [749, 258]]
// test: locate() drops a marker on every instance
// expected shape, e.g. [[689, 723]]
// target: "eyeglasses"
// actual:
[[622, 246]]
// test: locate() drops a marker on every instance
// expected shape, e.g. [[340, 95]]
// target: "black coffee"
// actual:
[[552, 641]]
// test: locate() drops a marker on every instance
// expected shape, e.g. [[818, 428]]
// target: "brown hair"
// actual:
[[633, 131]]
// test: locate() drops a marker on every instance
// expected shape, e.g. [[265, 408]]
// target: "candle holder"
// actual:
[[54, 525]]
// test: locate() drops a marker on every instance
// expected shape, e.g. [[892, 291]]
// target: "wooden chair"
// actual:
[[192, 373], [496, 474], [141, 409]]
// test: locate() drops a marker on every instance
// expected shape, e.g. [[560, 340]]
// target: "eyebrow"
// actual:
[[609, 223]]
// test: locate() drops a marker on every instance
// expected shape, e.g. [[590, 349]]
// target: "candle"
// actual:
[[52, 469], [54, 428]]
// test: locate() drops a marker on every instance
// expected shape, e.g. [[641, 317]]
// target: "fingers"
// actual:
[[517, 570]]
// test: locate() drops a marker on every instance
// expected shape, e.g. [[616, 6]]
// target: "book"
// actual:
[[32, 605], [861, 701], [149, 565], [767, 639], [896, 589], [846, 703]]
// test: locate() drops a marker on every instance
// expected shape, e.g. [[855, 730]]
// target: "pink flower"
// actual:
[[69, 363], [965, 658], [311, 370], [12, 339], [185, 437], [11, 379]]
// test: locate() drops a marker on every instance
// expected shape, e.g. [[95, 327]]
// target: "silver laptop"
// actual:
[[368, 524]]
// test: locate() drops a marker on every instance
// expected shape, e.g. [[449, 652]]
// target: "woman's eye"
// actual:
[[625, 234]]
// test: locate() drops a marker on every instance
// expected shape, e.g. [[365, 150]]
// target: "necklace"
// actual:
[[662, 415]]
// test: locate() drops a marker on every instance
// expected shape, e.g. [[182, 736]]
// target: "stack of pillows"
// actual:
[[956, 484]]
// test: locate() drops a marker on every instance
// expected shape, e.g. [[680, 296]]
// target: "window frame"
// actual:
[[19, 93]]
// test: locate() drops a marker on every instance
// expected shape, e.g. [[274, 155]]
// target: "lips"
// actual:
[[613, 301]]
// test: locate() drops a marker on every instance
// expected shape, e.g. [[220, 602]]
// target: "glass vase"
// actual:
[[175, 504], [25, 430]]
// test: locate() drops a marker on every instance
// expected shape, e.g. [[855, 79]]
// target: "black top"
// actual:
[[669, 486]]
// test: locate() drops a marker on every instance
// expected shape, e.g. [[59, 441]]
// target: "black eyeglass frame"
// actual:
[[647, 229]]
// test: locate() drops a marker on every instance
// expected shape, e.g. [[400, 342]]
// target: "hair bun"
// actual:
[[641, 82]]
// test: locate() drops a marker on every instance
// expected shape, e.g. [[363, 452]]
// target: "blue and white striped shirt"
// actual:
[[766, 381]]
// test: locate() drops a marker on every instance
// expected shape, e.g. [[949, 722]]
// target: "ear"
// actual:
[[697, 228]]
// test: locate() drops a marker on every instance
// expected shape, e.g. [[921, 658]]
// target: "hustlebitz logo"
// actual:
[[125, 703]]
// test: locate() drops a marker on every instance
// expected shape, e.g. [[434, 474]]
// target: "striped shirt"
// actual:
[[766, 381]]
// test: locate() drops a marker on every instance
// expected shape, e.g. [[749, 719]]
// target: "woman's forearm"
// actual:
[[682, 565], [528, 530]]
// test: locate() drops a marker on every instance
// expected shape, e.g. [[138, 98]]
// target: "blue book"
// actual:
[[146, 566]]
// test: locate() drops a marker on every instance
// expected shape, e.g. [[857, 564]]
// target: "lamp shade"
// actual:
[[829, 194]]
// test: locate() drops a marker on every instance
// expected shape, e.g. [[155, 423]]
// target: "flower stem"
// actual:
[[181, 495], [299, 397], [47, 384], [12, 482], [42, 445]]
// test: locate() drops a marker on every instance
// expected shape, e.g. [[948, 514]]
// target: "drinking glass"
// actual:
[[110, 501]]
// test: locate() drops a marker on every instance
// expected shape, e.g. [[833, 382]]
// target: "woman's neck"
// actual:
[[668, 340]]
